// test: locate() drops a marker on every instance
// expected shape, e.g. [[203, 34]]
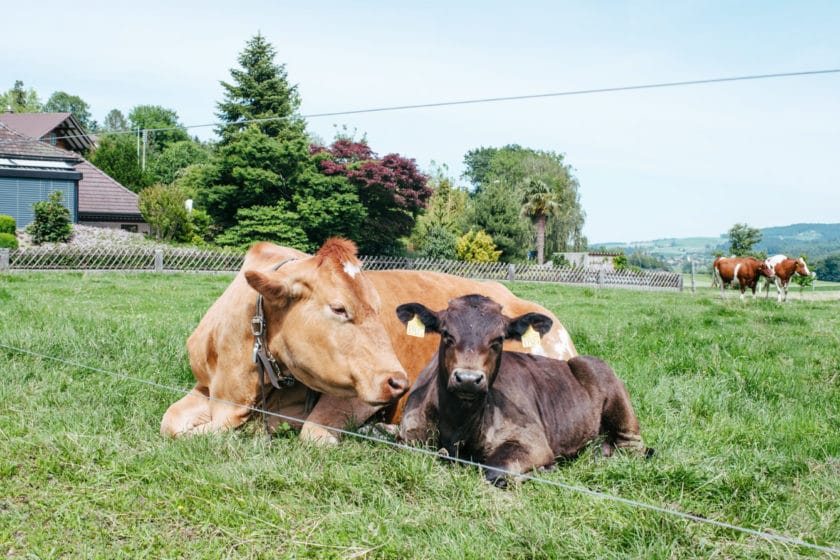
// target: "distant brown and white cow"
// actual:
[[508, 410], [783, 270], [746, 271], [324, 324]]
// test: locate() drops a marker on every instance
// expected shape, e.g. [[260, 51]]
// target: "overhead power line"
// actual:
[[476, 101]]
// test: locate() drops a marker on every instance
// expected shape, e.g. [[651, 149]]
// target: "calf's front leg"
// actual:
[[513, 457]]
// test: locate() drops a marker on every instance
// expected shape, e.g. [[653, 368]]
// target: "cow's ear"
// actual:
[[407, 311], [519, 325], [273, 288]]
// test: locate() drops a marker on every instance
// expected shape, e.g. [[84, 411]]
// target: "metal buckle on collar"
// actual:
[[257, 326]]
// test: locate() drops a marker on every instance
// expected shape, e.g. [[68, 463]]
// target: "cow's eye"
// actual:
[[339, 310], [447, 338], [496, 344]]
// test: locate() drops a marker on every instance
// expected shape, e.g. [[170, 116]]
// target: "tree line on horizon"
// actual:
[[267, 178]]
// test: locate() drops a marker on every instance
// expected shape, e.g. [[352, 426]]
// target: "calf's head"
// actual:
[[323, 324], [472, 330]]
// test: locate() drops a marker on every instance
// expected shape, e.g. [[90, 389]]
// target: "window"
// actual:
[[52, 138]]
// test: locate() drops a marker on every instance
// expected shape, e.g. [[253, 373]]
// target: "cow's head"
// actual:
[[802, 267], [765, 269], [472, 330], [323, 325]]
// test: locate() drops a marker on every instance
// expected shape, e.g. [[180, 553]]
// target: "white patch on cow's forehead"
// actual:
[[351, 269]]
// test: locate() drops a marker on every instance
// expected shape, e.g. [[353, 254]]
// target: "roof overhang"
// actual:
[[40, 173]]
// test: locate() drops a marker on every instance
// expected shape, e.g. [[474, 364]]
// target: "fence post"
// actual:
[[693, 286], [4, 260], [600, 277], [511, 273], [158, 260]]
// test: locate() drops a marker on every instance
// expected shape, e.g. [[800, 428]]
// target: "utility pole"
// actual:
[[145, 141]]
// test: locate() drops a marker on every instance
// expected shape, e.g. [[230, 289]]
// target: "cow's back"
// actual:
[[434, 290], [550, 398]]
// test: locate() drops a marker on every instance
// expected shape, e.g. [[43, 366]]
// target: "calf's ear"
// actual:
[[518, 325], [407, 311]]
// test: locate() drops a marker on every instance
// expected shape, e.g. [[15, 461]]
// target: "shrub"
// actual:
[[8, 241], [163, 209], [7, 224], [52, 221], [477, 246]]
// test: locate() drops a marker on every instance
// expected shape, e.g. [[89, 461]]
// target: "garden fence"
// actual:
[[176, 259]]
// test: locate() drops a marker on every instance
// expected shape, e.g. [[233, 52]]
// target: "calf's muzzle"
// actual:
[[468, 381]]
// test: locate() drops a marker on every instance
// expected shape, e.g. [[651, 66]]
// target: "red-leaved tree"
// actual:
[[391, 189]]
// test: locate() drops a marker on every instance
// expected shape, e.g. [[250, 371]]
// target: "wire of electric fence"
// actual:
[[482, 100], [581, 490]]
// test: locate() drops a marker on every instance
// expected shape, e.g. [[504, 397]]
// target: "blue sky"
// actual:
[[676, 162]]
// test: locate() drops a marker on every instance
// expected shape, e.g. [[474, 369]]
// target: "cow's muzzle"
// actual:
[[468, 383]]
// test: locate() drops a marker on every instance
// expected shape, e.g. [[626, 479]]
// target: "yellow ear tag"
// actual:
[[531, 338], [415, 327]]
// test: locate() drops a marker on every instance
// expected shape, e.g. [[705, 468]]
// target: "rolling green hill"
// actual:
[[815, 240]]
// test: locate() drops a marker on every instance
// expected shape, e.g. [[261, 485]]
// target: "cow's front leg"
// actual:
[[336, 413]]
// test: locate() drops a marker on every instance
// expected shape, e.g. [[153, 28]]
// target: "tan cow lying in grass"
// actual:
[[330, 326]]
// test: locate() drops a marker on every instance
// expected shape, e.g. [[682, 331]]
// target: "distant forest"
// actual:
[[815, 240]]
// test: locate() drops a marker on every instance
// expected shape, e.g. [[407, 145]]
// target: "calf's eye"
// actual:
[[339, 310]]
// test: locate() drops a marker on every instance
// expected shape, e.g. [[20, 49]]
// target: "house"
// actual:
[[591, 260], [41, 153]]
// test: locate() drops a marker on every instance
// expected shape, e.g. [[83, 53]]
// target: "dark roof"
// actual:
[[100, 194], [15, 144], [39, 125]]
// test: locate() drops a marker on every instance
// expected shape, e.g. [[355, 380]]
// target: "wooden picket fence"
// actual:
[[176, 259]]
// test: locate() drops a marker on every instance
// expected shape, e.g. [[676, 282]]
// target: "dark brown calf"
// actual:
[[510, 411], [746, 271]]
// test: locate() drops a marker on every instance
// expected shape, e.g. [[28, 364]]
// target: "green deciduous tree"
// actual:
[[62, 102], [162, 125], [116, 155], [175, 157], [827, 268], [742, 239], [115, 121], [500, 177]]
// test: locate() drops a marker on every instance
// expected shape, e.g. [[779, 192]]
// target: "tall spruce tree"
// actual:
[[263, 183], [260, 93]]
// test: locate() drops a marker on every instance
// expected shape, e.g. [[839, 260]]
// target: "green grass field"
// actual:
[[740, 399]]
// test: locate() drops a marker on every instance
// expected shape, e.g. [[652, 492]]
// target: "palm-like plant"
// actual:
[[539, 201]]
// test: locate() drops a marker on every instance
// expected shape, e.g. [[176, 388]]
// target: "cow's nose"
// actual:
[[468, 379], [399, 385]]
